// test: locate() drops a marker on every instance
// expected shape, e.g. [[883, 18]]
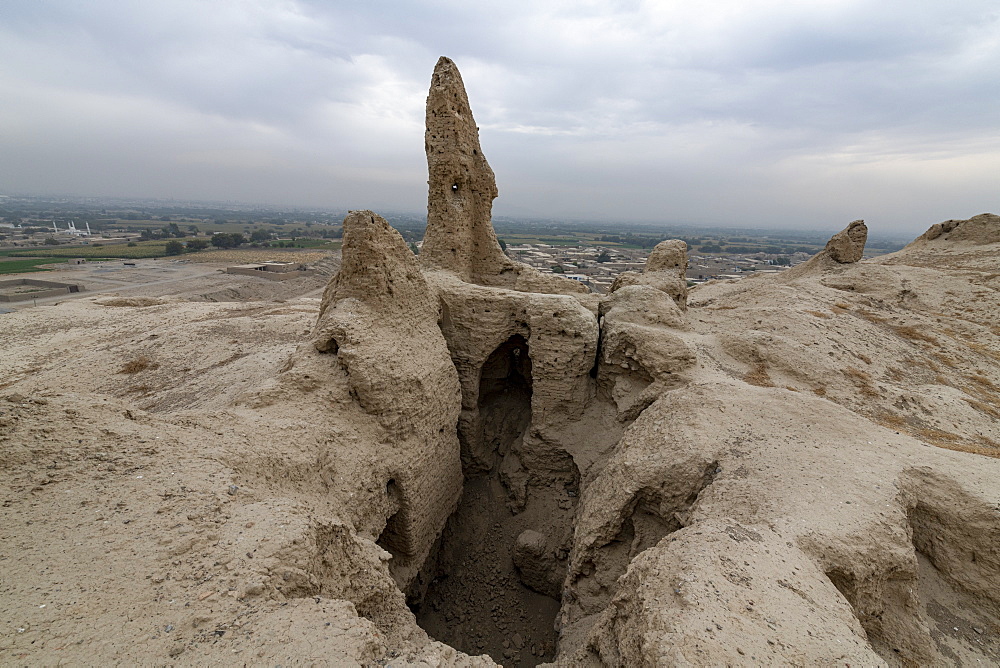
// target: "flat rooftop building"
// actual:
[[273, 271]]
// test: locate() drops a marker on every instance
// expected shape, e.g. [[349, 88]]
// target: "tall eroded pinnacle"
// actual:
[[461, 186]]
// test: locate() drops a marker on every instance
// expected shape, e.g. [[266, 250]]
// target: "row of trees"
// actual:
[[222, 240], [770, 250], [167, 231], [175, 247]]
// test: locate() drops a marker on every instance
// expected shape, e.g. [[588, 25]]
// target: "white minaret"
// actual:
[[56, 229], [88, 229]]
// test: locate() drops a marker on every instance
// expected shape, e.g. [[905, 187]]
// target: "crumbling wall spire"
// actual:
[[461, 186], [460, 191]]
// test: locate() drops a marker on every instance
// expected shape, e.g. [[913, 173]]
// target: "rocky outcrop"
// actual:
[[461, 189], [535, 559], [379, 318], [545, 389], [680, 478], [844, 248], [669, 255], [611, 410], [641, 354], [558, 341], [715, 596], [981, 229], [461, 185], [665, 270], [848, 245], [611, 468], [817, 486]]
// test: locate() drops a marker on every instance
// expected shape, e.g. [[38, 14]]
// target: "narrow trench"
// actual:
[[476, 599]]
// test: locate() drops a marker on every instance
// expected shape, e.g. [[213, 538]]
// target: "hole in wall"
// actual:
[[393, 538], [504, 399], [330, 347]]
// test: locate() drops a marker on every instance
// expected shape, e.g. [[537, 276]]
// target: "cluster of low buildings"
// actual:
[[580, 263]]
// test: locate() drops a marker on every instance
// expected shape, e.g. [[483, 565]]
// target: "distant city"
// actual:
[[590, 252]]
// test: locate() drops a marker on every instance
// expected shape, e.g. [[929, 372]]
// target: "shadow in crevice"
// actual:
[[503, 407], [474, 599], [393, 538]]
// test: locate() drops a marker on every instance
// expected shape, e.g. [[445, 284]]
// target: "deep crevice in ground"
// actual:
[[476, 599]]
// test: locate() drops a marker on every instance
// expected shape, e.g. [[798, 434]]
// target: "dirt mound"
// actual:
[[981, 229], [250, 289], [134, 302], [843, 249]]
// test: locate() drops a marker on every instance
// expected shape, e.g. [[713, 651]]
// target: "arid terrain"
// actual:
[[455, 460]]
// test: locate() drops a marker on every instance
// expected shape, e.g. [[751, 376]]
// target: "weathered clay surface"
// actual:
[[641, 353], [379, 318], [726, 594], [535, 559], [461, 184], [844, 249], [665, 270], [669, 255], [981, 229]]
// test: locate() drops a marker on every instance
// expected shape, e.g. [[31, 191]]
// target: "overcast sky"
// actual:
[[751, 113]]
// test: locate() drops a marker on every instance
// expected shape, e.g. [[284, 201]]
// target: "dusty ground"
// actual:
[[183, 484], [250, 255], [198, 278]]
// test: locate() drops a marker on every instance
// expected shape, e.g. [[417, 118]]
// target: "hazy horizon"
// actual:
[[732, 114], [506, 223]]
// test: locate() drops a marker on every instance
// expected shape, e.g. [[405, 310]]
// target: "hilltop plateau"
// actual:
[[457, 460]]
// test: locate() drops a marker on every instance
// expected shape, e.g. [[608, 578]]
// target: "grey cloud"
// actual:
[[733, 111]]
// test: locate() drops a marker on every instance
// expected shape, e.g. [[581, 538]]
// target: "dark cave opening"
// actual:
[[476, 599], [504, 400], [393, 538]]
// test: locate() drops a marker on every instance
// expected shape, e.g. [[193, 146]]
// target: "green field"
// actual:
[[325, 244], [208, 227], [142, 249], [23, 266], [202, 225]]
